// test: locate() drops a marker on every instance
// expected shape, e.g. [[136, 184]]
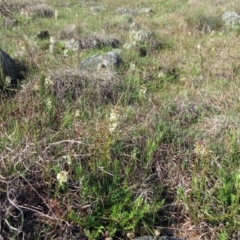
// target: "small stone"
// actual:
[[108, 238], [43, 35], [130, 235], [156, 232]]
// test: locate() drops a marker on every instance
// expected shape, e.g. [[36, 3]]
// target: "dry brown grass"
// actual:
[[71, 85]]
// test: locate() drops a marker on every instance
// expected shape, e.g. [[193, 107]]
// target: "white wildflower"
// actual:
[[51, 48], [52, 40], [48, 82], [62, 177], [77, 113], [52, 43], [49, 103], [199, 47], [142, 92], [113, 120], [95, 43], [161, 74], [56, 14], [36, 86], [25, 14], [132, 66], [65, 52], [7, 81], [69, 159]]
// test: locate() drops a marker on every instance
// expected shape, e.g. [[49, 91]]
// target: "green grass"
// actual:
[[154, 145]]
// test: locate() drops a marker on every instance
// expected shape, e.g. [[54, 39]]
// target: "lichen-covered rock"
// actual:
[[231, 20], [108, 60]]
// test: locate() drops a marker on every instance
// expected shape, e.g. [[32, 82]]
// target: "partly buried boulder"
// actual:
[[10, 72], [231, 20], [107, 60]]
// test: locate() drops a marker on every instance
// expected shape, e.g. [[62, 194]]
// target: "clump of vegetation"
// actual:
[[33, 8], [151, 147]]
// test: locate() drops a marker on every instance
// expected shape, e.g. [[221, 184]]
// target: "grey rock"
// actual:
[[8, 68], [158, 238], [108, 60], [231, 20]]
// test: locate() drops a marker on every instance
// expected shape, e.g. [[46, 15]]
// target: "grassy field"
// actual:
[[149, 148]]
